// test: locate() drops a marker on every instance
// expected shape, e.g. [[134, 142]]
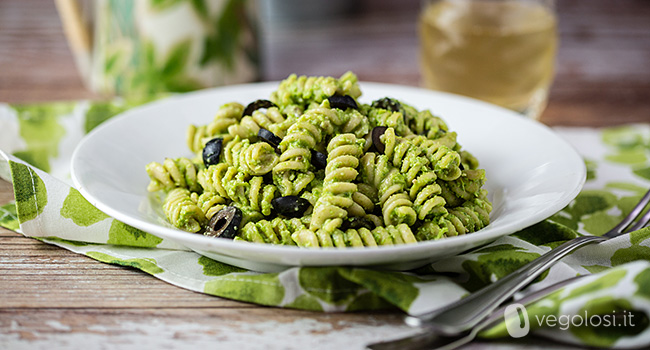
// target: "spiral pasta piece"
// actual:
[[249, 192], [172, 173], [292, 173], [228, 115], [354, 123], [391, 119], [363, 237], [182, 212], [423, 122], [209, 202], [276, 231], [249, 126], [426, 195], [364, 200], [443, 159], [343, 151], [395, 203], [213, 178], [405, 155], [471, 216], [465, 187], [302, 90], [256, 158], [468, 161]]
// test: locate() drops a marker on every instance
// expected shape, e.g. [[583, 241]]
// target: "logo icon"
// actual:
[[516, 318]]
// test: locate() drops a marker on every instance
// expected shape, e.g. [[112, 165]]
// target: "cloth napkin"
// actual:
[[37, 142]]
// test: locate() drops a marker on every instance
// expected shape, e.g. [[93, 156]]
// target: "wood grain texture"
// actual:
[[51, 298]]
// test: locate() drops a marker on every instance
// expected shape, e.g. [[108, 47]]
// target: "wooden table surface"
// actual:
[[52, 298]]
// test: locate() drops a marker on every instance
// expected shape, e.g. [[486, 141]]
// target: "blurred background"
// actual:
[[602, 74]]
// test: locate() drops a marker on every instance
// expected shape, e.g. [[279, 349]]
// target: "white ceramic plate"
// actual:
[[531, 174]]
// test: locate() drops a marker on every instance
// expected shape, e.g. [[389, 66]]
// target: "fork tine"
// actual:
[[641, 223], [638, 209]]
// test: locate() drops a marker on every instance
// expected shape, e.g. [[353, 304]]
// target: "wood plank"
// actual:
[[171, 328]]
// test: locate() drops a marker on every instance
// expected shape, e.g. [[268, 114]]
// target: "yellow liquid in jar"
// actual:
[[501, 52]]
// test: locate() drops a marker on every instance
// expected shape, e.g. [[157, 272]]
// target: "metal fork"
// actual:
[[464, 314], [432, 340]]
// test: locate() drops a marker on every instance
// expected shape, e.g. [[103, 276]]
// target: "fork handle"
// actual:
[[466, 313]]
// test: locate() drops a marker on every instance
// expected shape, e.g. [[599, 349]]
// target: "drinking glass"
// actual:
[[499, 51]]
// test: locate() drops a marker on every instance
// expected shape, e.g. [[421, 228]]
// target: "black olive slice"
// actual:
[[357, 223], [291, 206], [377, 131], [211, 151], [387, 103], [342, 102], [269, 137], [319, 160], [257, 104], [225, 223]]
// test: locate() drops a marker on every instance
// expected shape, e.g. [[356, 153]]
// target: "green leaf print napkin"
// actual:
[[37, 142]]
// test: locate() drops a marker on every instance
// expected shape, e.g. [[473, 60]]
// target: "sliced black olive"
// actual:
[[377, 131], [342, 102], [388, 103], [319, 160], [255, 105], [357, 223], [291, 206], [225, 223], [211, 151], [269, 137]]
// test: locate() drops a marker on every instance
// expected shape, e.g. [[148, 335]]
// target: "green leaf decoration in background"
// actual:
[[629, 144], [42, 132], [494, 263], [177, 58], [628, 156], [146, 265], [162, 5], [201, 9], [624, 137], [372, 301], [215, 268], [221, 45], [123, 234], [100, 112], [29, 192], [9, 217], [608, 333], [397, 288], [546, 233], [79, 210], [152, 76], [327, 284], [643, 172], [637, 251], [305, 302], [643, 281], [586, 203], [265, 289], [591, 166]]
